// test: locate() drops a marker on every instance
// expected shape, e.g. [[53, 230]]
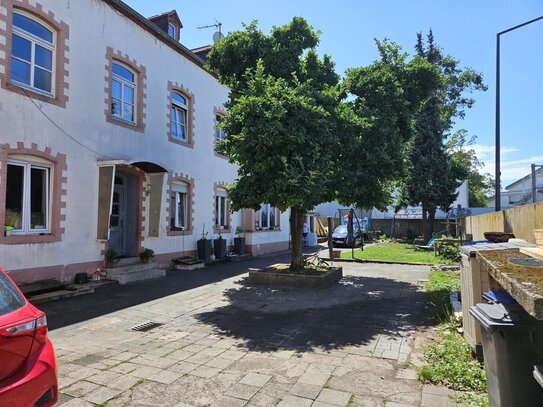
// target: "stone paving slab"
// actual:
[[232, 344]]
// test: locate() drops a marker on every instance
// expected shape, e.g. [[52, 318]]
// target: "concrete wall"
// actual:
[[521, 220]]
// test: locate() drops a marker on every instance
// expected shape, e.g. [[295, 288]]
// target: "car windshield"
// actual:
[[343, 229], [10, 298]]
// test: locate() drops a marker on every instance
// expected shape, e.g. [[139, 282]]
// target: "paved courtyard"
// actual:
[[227, 343]]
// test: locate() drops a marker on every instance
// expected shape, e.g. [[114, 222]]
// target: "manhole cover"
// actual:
[[146, 326], [532, 263]]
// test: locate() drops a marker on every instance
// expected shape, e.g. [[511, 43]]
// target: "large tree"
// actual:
[[295, 136], [280, 120], [433, 174]]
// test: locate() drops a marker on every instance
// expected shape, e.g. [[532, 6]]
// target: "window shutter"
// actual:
[[105, 193], [155, 201]]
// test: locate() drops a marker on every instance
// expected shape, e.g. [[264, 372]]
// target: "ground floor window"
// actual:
[[178, 205], [28, 197], [221, 209], [266, 217]]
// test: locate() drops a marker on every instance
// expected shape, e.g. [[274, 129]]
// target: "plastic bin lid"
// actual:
[[500, 296], [538, 374], [492, 315]]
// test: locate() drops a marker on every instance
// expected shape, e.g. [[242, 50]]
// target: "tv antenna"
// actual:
[[218, 34]]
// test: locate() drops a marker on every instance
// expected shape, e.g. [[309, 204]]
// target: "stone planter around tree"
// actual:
[[219, 247], [204, 249]]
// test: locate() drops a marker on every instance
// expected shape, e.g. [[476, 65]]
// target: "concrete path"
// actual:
[[225, 343]]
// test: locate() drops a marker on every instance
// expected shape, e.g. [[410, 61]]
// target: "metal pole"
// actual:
[[497, 193], [534, 189], [330, 243]]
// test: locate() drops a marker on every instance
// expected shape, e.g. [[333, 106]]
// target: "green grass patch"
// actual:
[[449, 359], [396, 252]]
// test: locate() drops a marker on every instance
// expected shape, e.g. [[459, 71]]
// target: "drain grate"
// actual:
[[146, 326]]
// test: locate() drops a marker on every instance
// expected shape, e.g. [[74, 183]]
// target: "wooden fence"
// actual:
[[521, 220]]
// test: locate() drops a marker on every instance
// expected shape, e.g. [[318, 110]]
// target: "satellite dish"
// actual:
[[217, 36]]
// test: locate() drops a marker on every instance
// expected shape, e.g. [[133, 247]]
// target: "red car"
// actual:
[[28, 370]]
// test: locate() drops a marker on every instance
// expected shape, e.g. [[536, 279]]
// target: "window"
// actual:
[[123, 91], [221, 209], [178, 206], [32, 54], [179, 117], [220, 135], [266, 217], [171, 31], [28, 197]]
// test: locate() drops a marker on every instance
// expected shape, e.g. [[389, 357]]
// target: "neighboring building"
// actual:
[[107, 141], [520, 192]]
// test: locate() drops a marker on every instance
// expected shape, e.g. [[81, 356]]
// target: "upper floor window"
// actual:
[[123, 93], [33, 53], [172, 31], [28, 197], [179, 111], [220, 135]]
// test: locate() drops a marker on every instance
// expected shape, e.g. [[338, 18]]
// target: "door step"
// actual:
[[125, 273]]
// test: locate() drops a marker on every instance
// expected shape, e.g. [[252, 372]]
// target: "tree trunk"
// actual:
[[425, 228], [296, 225], [431, 220]]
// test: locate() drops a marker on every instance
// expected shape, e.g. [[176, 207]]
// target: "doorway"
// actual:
[[122, 221]]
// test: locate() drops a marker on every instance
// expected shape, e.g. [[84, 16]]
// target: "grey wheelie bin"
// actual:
[[512, 345]]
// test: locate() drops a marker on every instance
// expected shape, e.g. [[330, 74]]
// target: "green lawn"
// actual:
[[395, 252]]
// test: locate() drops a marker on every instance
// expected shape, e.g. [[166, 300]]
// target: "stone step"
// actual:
[[126, 261], [137, 272]]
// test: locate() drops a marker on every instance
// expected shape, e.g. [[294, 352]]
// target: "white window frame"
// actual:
[[221, 209], [258, 217], [26, 220], [181, 109], [124, 84], [220, 134], [180, 193], [174, 34], [35, 40]]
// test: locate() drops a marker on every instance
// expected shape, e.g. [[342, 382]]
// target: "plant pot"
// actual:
[[8, 232], [219, 247], [239, 246], [108, 265], [145, 260], [204, 249]]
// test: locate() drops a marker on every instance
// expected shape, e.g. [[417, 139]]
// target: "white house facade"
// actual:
[[107, 135]]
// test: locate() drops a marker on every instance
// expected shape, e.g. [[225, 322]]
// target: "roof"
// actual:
[[539, 171], [169, 14], [155, 31]]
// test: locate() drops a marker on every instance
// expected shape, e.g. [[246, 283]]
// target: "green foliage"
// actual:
[[147, 254], [395, 252], [451, 363], [111, 256], [450, 252], [440, 285]]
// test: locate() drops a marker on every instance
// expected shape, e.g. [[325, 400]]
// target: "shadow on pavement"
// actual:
[[115, 297], [355, 312]]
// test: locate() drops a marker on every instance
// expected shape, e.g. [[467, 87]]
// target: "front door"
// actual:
[[117, 224]]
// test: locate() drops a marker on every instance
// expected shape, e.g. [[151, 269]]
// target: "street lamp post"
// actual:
[[497, 195]]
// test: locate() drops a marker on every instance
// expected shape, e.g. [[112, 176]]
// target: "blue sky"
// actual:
[[465, 29]]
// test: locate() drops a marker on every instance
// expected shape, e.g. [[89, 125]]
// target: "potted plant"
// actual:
[[146, 254], [8, 229], [110, 258], [204, 245], [239, 243], [219, 246]]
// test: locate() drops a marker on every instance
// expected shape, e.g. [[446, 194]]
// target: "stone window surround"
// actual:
[[250, 218], [175, 87], [189, 230], [58, 192], [226, 229], [141, 90], [61, 30], [217, 111]]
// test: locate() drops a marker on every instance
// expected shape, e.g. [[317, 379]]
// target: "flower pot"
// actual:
[[239, 245], [204, 249], [219, 247]]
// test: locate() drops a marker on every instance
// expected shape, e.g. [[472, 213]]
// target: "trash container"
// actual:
[[512, 345], [538, 374]]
